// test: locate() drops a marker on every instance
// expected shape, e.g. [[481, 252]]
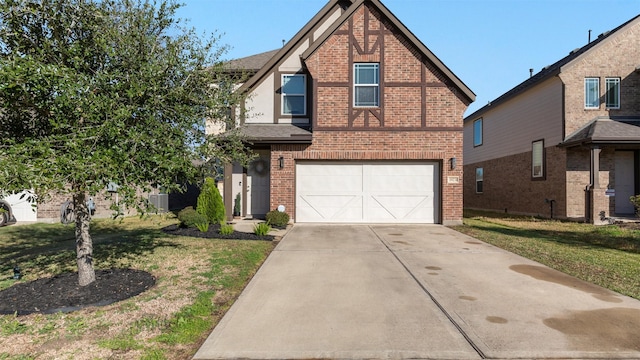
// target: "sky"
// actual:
[[489, 44]]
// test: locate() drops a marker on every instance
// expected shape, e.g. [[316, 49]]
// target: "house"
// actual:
[[354, 120], [565, 142]]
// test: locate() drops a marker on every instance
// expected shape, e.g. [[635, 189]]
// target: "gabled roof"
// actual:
[[251, 64], [548, 71], [353, 5], [605, 130], [405, 32]]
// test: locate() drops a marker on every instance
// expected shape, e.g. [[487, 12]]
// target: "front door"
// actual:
[[258, 188], [624, 182]]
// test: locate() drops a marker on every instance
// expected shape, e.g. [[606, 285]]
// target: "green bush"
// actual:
[[226, 229], [261, 229], [204, 225], [189, 217], [277, 219], [210, 202]]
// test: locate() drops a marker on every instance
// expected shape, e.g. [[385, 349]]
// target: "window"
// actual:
[[294, 95], [479, 180], [477, 132], [366, 85], [537, 159], [592, 93], [612, 96]]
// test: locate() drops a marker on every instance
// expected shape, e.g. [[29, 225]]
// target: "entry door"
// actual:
[[258, 188], [624, 181]]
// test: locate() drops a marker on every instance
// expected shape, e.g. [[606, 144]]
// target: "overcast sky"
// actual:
[[489, 44]]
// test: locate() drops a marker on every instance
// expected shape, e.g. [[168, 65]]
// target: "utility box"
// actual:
[[161, 202]]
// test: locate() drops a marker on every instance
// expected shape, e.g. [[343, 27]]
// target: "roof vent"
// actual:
[[574, 51], [604, 34]]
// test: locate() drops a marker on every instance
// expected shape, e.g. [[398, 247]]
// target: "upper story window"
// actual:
[[366, 85], [294, 94], [537, 159], [477, 132], [591, 93], [612, 96]]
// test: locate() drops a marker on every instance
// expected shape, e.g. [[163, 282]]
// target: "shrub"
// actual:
[[261, 229], [210, 202], [226, 229], [277, 219], [236, 206], [190, 218], [203, 226], [635, 200]]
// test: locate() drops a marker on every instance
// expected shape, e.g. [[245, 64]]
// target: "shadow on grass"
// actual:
[[608, 237], [51, 247]]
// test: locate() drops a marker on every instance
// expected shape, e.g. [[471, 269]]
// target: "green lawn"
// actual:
[[605, 255], [197, 281]]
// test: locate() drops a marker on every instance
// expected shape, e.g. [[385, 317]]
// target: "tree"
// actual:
[[100, 91]]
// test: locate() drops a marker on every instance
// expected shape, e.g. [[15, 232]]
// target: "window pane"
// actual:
[[537, 159], [592, 92], [366, 74], [479, 180], [366, 95], [477, 132], [293, 104], [613, 93], [293, 84]]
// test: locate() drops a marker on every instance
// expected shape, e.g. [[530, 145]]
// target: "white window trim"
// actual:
[[606, 86], [586, 104], [283, 94], [355, 85], [481, 132], [481, 179], [533, 159]]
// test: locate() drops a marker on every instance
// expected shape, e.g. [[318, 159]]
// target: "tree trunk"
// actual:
[[84, 244]]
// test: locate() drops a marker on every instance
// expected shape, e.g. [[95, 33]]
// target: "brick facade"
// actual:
[[419, 117]]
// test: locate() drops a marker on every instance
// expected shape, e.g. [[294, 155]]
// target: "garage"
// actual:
[[367, 192]]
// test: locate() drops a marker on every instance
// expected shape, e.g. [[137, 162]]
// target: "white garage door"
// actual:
[[367, 192]]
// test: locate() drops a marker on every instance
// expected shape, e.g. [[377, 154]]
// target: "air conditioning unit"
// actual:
[[160, 202]]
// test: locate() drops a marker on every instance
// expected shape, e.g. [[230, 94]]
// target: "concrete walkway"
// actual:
[[417, 292]]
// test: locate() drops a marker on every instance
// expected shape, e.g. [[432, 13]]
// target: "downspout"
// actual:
[[594, 181]]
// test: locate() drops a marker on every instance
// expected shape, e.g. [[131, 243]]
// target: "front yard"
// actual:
[[608, 256], [197, 280]]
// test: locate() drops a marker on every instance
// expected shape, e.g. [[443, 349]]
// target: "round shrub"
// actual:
[[189, 217], [277, 219]]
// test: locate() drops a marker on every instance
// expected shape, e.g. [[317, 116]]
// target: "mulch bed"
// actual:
[[62, 293], [214, 233]]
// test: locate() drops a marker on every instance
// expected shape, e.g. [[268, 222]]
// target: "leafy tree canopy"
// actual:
[[99, 91]]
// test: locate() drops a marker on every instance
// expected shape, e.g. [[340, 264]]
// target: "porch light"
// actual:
[[453, 161], [281, 162]]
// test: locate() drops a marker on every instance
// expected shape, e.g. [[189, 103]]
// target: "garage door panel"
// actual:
[[383, 192], [330, 208]]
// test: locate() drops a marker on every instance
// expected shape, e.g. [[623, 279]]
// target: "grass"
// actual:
[[197, 281], [608, 255]]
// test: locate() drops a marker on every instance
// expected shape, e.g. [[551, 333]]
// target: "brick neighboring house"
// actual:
[[354, 120], [566, 142]]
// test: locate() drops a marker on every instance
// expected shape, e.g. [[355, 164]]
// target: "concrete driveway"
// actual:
[[417, 292]]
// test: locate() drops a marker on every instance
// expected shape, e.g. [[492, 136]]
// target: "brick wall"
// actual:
[[414, 96], [617, 57], [508, 186]]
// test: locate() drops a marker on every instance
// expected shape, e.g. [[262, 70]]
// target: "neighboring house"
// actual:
[[566, 142], [354, 120]]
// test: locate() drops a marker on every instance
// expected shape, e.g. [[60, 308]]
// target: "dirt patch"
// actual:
[[62, 293]]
